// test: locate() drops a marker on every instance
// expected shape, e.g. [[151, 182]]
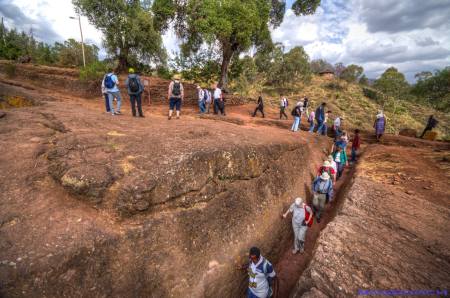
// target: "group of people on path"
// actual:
[[208, 97], [260, 270]]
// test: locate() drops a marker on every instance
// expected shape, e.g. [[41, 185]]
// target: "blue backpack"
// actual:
[[109, 83]]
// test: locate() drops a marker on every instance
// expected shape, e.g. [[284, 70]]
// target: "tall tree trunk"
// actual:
[[123, 61], [226, 58]]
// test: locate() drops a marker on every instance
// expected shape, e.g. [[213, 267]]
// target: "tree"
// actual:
[[363, 80], [435, 89], [352, 73], [290, 67], [70, 53], [339, 69], [423, 75], [319, 65], [393, 83], [127, 26], [233, 25]]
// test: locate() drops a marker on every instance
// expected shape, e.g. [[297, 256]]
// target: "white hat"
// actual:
[[330, 158], [326, 163], [298, 201], [324, 176]]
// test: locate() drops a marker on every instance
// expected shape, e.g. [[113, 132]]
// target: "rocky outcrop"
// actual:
[[386, 236]]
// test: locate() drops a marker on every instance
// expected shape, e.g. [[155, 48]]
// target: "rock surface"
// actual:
[[383, 238]]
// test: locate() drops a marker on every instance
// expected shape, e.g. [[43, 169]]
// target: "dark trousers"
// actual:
[[107, 102], [219, 106], [136, 99], [425, 131], [259, 108], [282, 112]]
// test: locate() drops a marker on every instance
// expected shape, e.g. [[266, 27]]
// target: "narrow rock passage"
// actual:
[[291, 266]]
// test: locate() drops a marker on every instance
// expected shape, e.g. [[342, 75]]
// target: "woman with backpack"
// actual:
[[302, 219], [175, 95]]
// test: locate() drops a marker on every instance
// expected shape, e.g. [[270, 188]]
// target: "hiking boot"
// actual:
[[118, 113], [141, 116]]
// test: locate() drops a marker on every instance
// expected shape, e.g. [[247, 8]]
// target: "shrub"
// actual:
[[372, 94], [93, 71]]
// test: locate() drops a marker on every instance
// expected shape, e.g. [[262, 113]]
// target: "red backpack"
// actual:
[[309, 216]]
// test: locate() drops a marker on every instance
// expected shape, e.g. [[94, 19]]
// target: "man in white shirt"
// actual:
[[337, 125], [219, 104], [201, 99], [302, 217], [261, 275], [283, 106]]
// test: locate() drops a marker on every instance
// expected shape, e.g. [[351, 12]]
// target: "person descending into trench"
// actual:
[[261, 275], [327, 167], [322, 189], [302, 219]]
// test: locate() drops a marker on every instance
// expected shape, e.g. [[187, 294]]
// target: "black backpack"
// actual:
[[294, 111], [133, 84], [176, 89]]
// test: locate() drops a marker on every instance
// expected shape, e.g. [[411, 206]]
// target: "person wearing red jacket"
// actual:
[[326, 167], [302, 218]]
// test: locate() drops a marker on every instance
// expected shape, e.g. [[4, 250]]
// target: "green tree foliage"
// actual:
[[292, 67], [352, 73], [20, 46], [393, 83], [70, 53], [201, 67], [233, 25], [319, 65], [434, 88], [127, 26], [363, 80]]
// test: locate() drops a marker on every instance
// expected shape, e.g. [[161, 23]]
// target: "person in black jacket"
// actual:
[[431, 123], [259, 107]]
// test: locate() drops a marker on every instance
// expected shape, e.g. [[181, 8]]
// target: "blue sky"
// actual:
[[411, 35]]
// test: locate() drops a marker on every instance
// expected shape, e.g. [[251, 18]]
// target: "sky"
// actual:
[[411, 35]]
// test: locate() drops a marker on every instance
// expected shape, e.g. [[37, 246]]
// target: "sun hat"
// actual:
[[298, 201], [176, 77], [326, 163], [324, 176]]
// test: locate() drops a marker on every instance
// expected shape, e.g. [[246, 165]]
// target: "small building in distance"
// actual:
[[327, 74]]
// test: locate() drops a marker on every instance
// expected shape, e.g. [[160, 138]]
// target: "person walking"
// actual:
[[340, 157], [283, 106], [431, 123], [208, 100], [332, 162], [311, 121], [111, 83], [175, 95], [356, 144], [105, 95], [261, 275], [296, 113], [306, 106], [320, 117], [302, 219], [201, 99], [379, 125], [337, 126], [219, 104], [135, 89], [260, 106], [322, 188], [326, 167]]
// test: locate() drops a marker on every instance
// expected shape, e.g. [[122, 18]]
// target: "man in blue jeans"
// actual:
[[201, 99], [320, 117], [111, 83], [135, 89]]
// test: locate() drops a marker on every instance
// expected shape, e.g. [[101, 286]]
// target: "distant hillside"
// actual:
[[359, 111]]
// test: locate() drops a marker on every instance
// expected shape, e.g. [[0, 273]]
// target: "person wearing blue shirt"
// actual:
[[322, 188], [320, 118], [111, 83]]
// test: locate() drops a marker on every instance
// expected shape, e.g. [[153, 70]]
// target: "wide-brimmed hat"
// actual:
[[325, 176], [298, 201], [176, 77], [326, 163]]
